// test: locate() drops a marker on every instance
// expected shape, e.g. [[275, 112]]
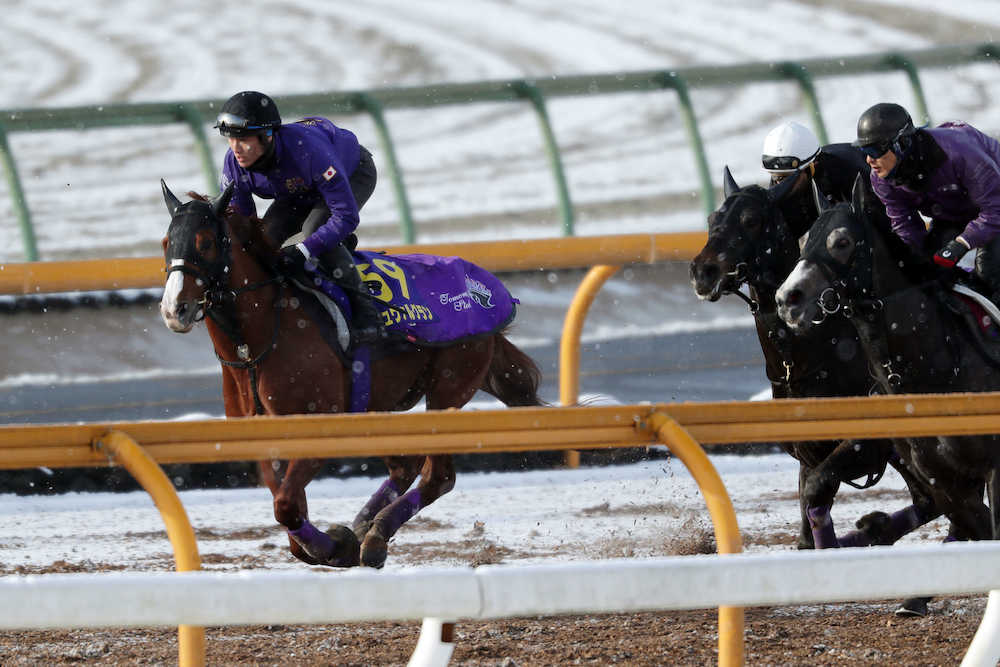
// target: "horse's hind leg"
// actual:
[[457, 372], [402, 471], [437, 479]]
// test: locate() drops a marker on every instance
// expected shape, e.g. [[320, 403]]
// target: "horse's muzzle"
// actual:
[[180, 317]]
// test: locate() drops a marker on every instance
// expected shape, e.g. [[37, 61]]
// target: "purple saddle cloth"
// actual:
[[435, 300]]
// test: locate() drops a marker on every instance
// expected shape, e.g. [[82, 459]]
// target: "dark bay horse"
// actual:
[[914, 337], [753, 240], [276, 361]]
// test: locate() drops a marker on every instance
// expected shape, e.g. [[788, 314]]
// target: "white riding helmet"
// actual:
[[788, 148]]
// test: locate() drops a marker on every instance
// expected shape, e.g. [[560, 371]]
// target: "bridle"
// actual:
[[219, 298], [850, 294]]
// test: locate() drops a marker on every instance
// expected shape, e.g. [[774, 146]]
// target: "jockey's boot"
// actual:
[[366, 325]]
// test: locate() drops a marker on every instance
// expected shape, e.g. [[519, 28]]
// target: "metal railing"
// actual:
[[197, 113]]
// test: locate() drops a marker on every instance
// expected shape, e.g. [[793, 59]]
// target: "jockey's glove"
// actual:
[[951, 253], [295, 259]]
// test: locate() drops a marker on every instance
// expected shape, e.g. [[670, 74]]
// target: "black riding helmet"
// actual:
[[882, 127], [248, 113]]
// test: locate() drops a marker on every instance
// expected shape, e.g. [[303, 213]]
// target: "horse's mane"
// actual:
[[916, 266], [248, 230]]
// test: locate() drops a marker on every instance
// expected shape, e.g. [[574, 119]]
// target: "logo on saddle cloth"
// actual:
[[479, 292]]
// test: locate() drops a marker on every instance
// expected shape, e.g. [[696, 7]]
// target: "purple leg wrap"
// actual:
[[905, 521], [318, 545], [902, 522], [824, 536], [385, 495], [855, 538], [394, 516]]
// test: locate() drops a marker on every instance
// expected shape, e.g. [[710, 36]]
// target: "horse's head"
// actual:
[[197, 253], [835, 266], [746, 237]]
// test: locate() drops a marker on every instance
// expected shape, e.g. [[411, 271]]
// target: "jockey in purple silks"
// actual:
[[950, 174], [319, 177]]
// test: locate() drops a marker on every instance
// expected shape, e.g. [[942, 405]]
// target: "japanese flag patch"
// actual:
[[329, 173]]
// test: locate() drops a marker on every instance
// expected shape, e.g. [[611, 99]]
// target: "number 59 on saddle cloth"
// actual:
[[435, 300]]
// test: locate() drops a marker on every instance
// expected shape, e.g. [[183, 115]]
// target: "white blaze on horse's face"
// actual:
[[798, 296], [178, 314]]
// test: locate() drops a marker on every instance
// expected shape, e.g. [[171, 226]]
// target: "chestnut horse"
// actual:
[[276, 361]]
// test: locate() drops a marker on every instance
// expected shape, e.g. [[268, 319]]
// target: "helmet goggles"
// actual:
[[782, 163], [232, 125], [876, 150]]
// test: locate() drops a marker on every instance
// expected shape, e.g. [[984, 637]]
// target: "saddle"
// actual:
[[981, 317]]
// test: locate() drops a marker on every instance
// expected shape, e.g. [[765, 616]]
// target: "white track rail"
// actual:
[[499, 591]]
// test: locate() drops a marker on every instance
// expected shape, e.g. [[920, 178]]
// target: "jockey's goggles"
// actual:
[[875, 151], [784, 164], [231, 125]]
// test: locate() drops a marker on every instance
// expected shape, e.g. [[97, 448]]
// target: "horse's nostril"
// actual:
[[793, 298], [182, 309]]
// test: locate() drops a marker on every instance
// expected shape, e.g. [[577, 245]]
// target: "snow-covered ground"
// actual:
[[637, 510]]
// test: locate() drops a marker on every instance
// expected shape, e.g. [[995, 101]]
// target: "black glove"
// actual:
[[950, 254]]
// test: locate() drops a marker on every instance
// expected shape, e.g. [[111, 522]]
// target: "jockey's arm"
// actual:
[[336, 192], [902, 211], [242, 199], [981, 178]]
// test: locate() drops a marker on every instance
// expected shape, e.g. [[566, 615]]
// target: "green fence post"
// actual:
[[530, 91], [196, 122], [799, 72], [18, 200], [374, 107], [901, 62], [677, 82]]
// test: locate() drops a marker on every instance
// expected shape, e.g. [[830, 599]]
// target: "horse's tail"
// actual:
[[513, 376]]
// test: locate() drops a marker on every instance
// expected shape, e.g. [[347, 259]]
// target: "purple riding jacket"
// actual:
[[314, 160], [964, 189]]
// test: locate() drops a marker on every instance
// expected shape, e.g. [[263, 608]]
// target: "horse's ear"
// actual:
[[778, 192], [728, 182], [219, 205], [859, 195], [173, 203]]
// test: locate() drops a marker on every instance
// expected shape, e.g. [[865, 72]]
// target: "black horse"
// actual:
[[915, 335], [753, 240]]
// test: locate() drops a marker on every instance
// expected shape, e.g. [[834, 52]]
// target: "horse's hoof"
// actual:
[[876, 526], [374, 550], [348, 548], [915, 607]]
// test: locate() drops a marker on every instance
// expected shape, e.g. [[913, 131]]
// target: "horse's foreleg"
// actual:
[[267, 476], [402, 471], [805, 534], [337, 547], [882, 528], [437, 479]]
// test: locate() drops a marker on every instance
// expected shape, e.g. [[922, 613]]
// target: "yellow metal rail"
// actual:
[[528, 255], [513, 429], [119, 447]]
